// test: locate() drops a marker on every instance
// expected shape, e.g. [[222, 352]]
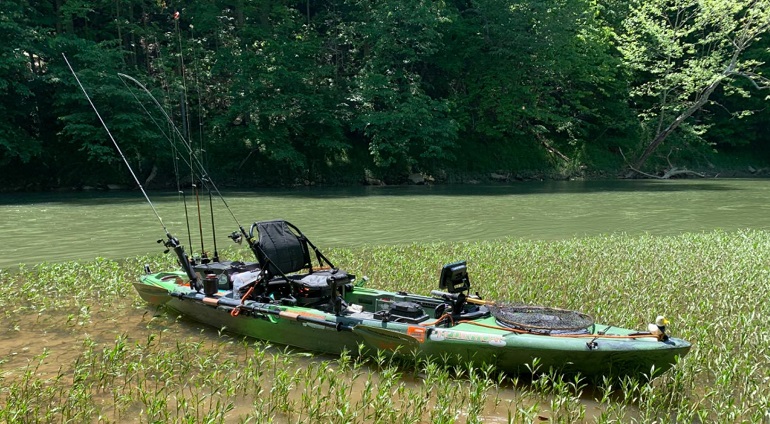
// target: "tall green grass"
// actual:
[[78, 344]]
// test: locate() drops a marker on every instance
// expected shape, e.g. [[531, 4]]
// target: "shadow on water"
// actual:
[[523, 188], [507, 189]]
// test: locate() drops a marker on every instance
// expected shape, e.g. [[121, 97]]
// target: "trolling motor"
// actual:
[[173, 244]]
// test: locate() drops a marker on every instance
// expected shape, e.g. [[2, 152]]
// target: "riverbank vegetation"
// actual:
[[79, 345], [343, 91]]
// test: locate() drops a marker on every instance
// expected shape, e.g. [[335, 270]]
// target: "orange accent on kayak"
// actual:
[[416, 332], [289, 315], [310, 315]]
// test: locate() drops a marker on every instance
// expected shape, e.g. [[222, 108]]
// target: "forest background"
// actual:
[[277, 92]]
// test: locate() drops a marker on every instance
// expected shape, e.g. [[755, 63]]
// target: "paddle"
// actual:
[[377, 337]]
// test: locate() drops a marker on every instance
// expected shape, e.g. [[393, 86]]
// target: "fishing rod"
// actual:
[[190, 163], [236, 236], [175, 157], [204, 258], [198, 165], [213, 229], [187, 133], [186, 216], [171, 242], [200, 136], [193, 186], [184, 196]]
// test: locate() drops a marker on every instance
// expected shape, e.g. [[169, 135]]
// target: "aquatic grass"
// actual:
[[82, 347]]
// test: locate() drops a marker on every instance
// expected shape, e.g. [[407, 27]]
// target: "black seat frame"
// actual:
[[283, 250]]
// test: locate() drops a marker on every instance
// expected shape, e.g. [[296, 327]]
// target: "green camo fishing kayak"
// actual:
[[451, 327]]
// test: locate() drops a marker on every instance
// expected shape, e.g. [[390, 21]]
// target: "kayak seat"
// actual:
[[283, 251], [279, 249]]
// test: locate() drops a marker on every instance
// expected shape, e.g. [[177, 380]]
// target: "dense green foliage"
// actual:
[[113, 361], [690, 48], [338, 91]]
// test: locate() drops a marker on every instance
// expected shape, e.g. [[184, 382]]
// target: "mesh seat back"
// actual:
[[281, 250]]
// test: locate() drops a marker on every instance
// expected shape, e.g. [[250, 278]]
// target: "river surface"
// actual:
[[79, 226]]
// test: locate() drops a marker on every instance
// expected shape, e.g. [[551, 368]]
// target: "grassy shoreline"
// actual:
[[79, 345]]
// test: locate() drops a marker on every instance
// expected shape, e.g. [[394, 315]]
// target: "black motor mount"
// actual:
[[172, 243]]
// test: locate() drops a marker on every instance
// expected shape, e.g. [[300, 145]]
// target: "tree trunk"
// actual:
[[662, 135], [152, 175]]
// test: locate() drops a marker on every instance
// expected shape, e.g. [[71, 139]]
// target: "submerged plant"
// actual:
[[82, 346]]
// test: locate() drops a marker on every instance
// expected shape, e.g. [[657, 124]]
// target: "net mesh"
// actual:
[[540, 318]]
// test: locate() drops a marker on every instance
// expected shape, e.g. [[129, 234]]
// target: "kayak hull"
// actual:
[[616, 352]]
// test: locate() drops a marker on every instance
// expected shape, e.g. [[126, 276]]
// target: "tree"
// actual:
[[533, 76], [18, 61], [280, 100], [407, 129], [683, 50]]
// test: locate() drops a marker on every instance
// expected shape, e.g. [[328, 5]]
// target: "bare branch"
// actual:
[[753, 77]]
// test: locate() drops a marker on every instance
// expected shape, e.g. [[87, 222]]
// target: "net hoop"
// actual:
[[540, 318]]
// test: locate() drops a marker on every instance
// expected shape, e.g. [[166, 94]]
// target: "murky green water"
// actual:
[[56, 227]]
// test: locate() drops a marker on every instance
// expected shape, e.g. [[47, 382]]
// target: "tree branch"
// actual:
[[753, 77]]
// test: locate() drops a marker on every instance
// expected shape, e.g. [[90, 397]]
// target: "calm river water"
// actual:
[[58, 227]]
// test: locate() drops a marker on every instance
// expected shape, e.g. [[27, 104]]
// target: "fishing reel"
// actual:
[[169, 244], [236, 237], [173, 243]]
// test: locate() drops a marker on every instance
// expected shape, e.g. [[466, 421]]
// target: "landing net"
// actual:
[[539, 318]]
